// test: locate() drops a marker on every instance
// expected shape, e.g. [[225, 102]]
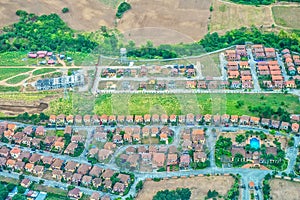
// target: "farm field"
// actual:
[[17, 79], [227, 16], [9, 88], [284, 189], [287, 16], [165, 21], [199, 186], [9, 72], [15, 58], [196, 103]]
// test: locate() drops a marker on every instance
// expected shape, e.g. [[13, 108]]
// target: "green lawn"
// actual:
[[9, 89], [43, 71], [15, 59], [9, 72], [83, 59], [17, 79], [192, 103]]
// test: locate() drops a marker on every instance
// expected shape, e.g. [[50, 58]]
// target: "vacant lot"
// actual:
[[227, 16], [195, 103], [165, 21], [283, 189], [210, 65], [88, 15], [287, 16], [199, 186]]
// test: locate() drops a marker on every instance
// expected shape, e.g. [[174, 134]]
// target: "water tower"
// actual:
[[123, 55]]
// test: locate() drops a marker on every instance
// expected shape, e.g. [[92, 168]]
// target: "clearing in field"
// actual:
[[228, 16], [284, 189], [287, 16], [10, 72], [210, 65], [165, 21], [199, 186]]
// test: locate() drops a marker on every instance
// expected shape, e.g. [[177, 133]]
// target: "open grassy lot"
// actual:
[[84, 59], [284, 189], [17, 79], [210, 65], [195, 103], [8, 180], [9, 72], [43, 71], [199, 186], [9, 89], [15, 59], [287, 16], [27, 97], [227, 16], [50, 189]]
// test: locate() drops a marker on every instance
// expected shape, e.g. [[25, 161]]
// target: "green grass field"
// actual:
[[181, 104], [9, 72], [28, 97], [15, 59], [17, 79], [43, 71], [9, 89]]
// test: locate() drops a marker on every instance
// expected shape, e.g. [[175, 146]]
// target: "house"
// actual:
[[124, 178], [155, 118], [8, 134], [60, 119], [78, 119], [290, 84], [29, 167], [270, 52], [244, 120], [57, 164], [158, 160], [129, 119], [18, 137], [49, 141], [4, 151], [244, 65], [191, 85], [57, 174], [15, 152], [75, 193], [67, 176], [105, 197], [295, 127], [96, 171], [207, 118], [40, 131], [130, 150], [107, 174], [184, 161], [38, 170], [70, 119], [164, 118], [86, 180], [77, 139], [145, 131], [97, 182], [200, 157], [187, 144], [172, 159], [76, 178], [87, 120], [230, 55], [119, 187], [84, 169], [163, 137], [10, 163], [190, 119], [154, 131], [254, 121], [233, 74], [109, 146], [95, 196], [112, 119], [198, 136], [147, 118], [19, 165], [104, 154], [265, 122], [225, 118], [275, 124], [11, 127], [28, 130], [71, 166], [173, 118], [58, 145], [284, 126], [25, 155], [138, 119], [25, 183]]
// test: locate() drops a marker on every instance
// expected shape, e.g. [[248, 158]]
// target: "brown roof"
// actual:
[[57, 163], [96, 171], [107, 173], [35, 158], [83, 169], [71, 166]]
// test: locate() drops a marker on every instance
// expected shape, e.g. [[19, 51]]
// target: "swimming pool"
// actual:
[[254, 143]]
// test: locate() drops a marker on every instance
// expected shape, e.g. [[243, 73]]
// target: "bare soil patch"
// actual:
[[173, 21], [199, 186], [283, 189], [88, 15]]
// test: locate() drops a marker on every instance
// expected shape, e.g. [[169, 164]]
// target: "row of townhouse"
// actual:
[[240, 74], [292, 62], [261, 53], [191, 119], [236, 54], [78, 174]]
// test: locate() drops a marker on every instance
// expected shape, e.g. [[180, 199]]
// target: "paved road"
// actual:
[[223, 64], [283, 70], [253, 71]]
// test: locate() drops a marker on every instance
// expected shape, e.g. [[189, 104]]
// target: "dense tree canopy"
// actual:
[[178, 194], [45, 32]]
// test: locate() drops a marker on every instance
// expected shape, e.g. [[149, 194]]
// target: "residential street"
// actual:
[[253, 71]]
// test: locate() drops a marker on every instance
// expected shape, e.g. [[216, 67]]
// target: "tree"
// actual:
[[10, 187], [19, 197], [21, 189], [3, 191], [65, 10], [240, 138], [139, 186]]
